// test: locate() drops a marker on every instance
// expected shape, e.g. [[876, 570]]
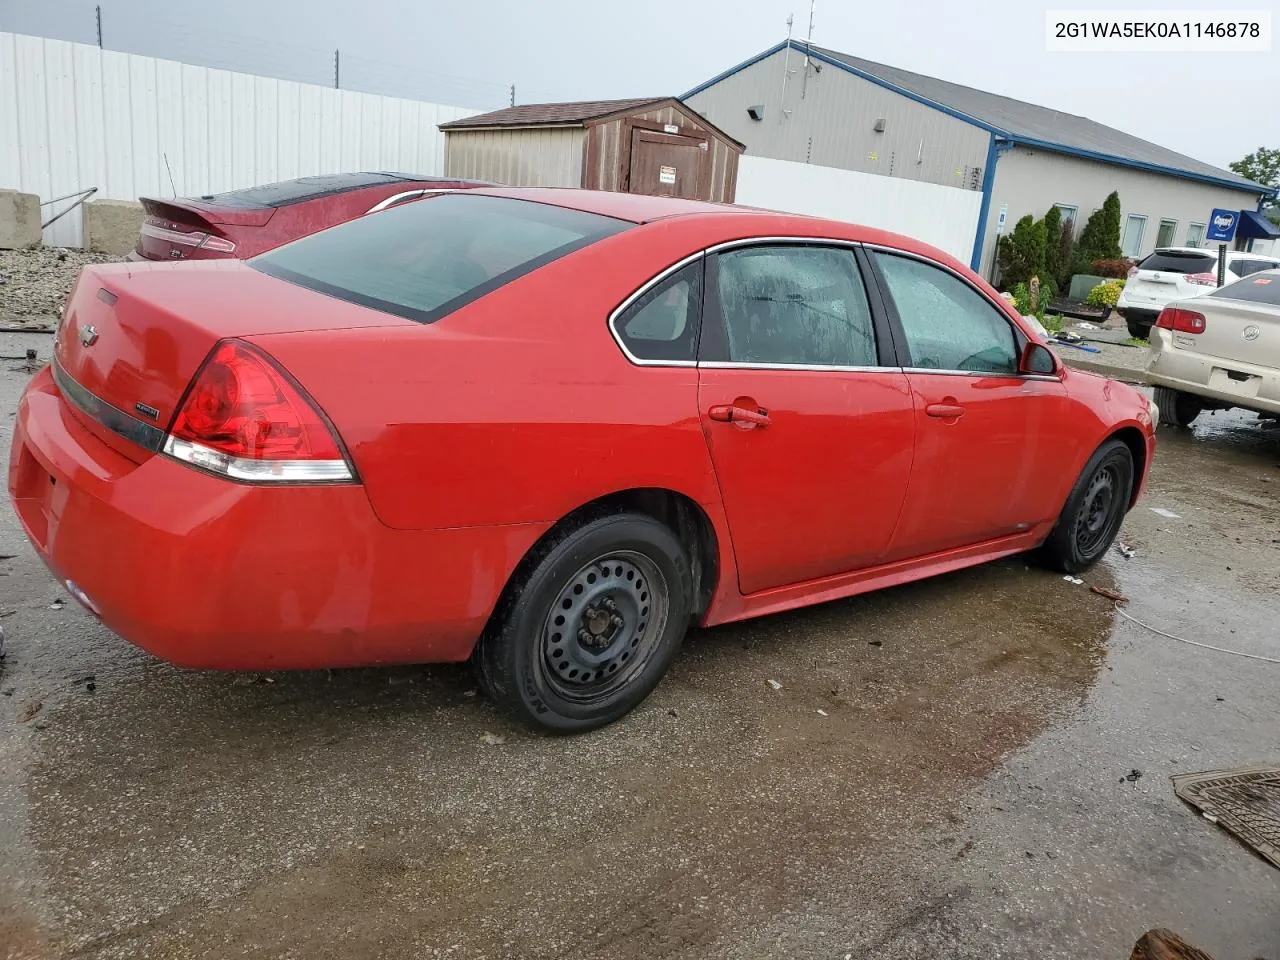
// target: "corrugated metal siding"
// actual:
[[831, 123], [529, 157], [73, 116], [606, 146], [1031, 181]]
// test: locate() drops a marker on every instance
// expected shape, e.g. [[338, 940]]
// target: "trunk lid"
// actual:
[[1238, 330], [134, 335], [1163, 276]]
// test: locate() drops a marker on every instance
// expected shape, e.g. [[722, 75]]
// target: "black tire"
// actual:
[[1139, 329], [1177, 409], [1094, 511], [580, 636]]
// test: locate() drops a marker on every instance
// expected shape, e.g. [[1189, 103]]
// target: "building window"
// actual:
[[1195, 234], [1070, 215], [1135, 225], [1164, 236]]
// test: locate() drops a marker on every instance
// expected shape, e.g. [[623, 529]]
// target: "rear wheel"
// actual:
[[1177, 409], [590, 626], [1094, 511], [1138, 329]]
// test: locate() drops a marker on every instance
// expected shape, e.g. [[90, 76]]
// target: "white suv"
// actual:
[[1176, 273]]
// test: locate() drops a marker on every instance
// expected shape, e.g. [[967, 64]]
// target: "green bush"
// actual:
[[1021, 254], [1022, 301], [1066, 251], [1050, 279], [1100, 239], [1105, 294]]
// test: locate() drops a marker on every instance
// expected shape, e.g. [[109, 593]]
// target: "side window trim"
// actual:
[[713, 350], [644, 288], [1020, 337]]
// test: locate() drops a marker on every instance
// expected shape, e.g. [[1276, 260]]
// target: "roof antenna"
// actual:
[[786, 70], [808, 42]]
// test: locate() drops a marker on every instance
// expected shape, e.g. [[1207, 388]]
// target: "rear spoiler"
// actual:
[[192, 213]]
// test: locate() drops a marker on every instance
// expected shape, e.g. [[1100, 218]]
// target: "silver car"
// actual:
[[1219, 351]]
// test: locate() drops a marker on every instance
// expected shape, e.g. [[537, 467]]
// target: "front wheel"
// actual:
[[590, 625], [1094, 511], [1177, 409]]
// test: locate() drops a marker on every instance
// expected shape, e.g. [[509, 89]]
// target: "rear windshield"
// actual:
[[1175, 261], [424, 260], [303, 188], [1259, 288]]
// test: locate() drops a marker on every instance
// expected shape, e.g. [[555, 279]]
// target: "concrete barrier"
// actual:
[[111, 226], [19, 220]]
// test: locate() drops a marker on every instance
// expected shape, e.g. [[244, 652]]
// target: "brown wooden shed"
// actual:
[[656, 146]]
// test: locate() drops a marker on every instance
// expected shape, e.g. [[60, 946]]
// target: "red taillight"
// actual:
[[184, 238], [1202, 279], [1181, 321], [244, 418]]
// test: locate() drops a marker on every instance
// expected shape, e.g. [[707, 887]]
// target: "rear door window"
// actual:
[[1259, 288], [424, 260], [794, 305], [948, 325], [1178, 261]]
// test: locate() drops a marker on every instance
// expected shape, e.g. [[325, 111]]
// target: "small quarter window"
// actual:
[[663, 324]]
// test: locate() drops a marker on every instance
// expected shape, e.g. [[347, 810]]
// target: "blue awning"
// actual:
[[1254, 226]]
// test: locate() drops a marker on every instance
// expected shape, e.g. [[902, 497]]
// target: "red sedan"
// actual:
[[245, 223], [548, 430]]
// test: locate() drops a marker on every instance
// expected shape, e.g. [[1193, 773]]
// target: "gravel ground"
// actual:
[[34, 284]]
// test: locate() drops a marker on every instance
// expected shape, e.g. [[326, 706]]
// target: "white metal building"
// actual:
[[805, 103]]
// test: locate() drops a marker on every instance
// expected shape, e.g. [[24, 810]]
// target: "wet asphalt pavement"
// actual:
[[946, 771]]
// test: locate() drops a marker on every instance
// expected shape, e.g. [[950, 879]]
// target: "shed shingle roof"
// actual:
[[530, 114]]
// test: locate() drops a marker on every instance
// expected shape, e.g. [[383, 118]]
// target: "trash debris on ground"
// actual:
[[1086, 325], [58, 604], [875, 643], [1166, 513], [822, 713], [492, 739], [1126, 551], [1109, 594], [1194, 643], [468, 693], [1161, 944], [1070, 579], [29, 711], [1133, 776], [1244, 801], [775, 684]]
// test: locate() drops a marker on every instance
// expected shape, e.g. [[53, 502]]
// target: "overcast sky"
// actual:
[[1216, 107]]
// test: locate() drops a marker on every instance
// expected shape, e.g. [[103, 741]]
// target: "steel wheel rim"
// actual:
[[603, 626], [1097, 511]]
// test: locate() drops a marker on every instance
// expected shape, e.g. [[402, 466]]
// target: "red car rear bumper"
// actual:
[[208, 573]]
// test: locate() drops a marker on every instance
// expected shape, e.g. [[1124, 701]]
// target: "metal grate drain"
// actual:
[[1245, 801]]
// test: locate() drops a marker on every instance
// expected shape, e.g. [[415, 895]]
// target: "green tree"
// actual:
[[1100, 238], [1021, 254], [1052, 252], [1262, 166], [1066, 251]]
